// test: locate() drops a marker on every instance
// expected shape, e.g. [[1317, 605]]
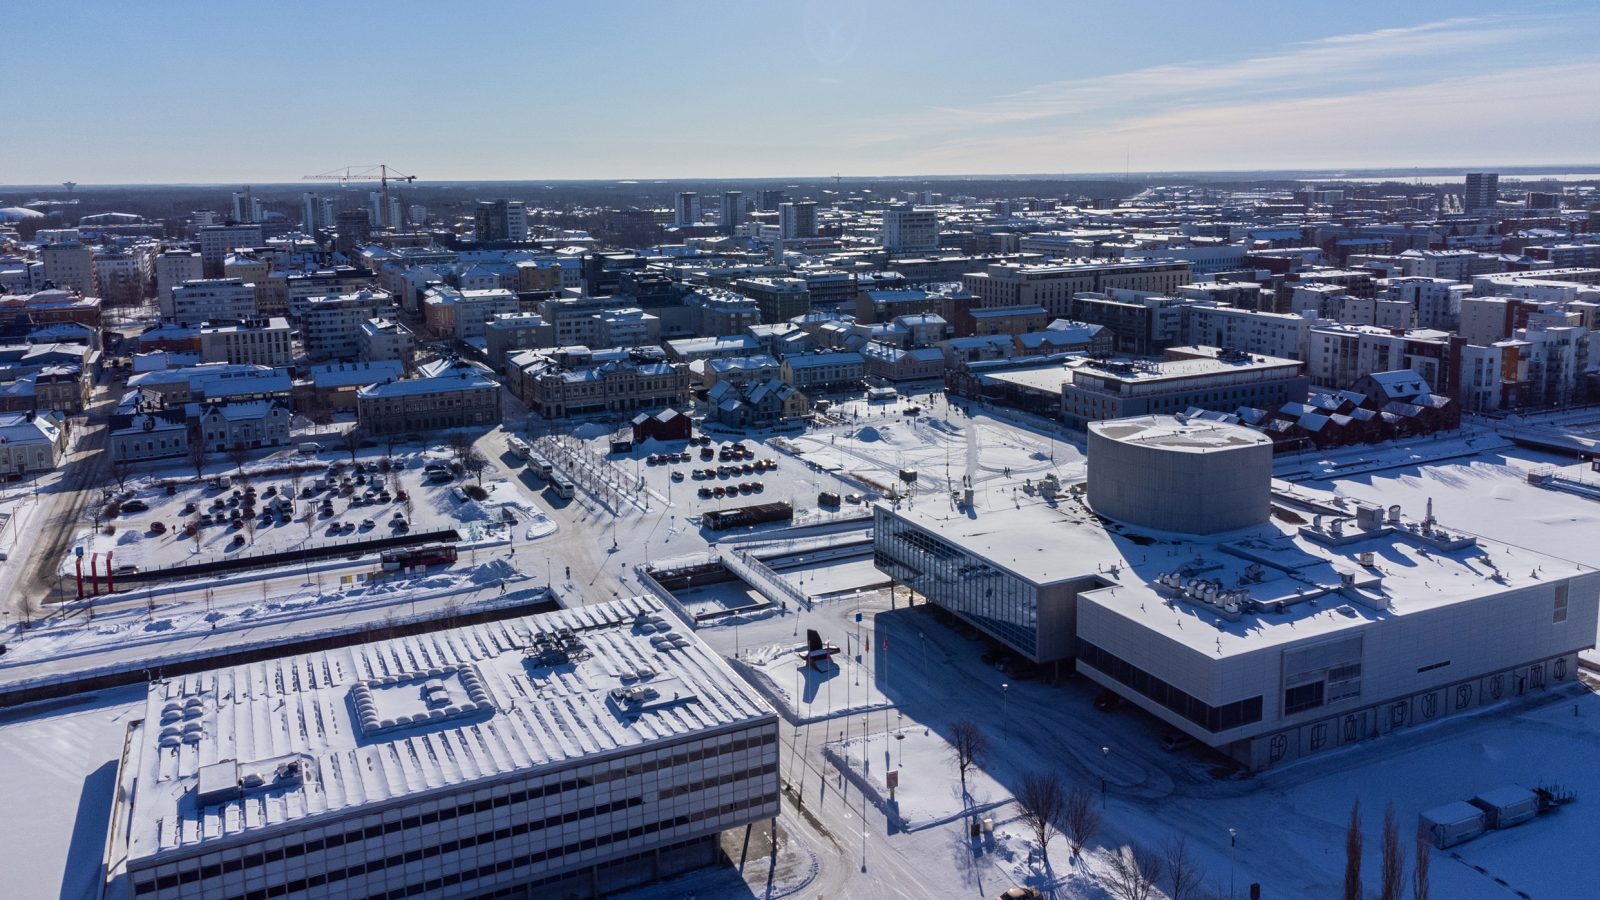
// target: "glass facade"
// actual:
[[1002, 604], [1211, 718]]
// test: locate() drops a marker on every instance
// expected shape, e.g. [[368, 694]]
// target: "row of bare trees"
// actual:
[[1392, 880], [1047, 806]]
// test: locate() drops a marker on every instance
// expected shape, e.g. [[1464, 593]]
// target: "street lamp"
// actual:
[[1105, 756], [1005, 704], [1233, 841]]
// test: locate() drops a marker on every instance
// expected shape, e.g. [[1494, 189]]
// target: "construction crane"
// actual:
[[381, 173]]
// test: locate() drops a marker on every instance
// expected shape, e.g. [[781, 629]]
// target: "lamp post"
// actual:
[[1233, 841], [1105, 756], [1005, 705]]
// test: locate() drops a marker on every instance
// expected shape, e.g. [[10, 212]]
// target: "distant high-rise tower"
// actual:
[[317, 212], [797, 220], [501, 220], [770, 201], [1483, 191], [686, 209], [375, 210], [244, 207], [732, 210], [907, 229], [354, 227]]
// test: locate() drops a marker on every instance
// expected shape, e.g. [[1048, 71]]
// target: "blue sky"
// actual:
[[231, 92]]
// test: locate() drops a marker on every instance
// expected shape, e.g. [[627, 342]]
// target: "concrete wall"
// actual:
[[1181, 490]]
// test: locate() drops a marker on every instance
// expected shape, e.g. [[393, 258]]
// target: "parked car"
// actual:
[[135, 506]]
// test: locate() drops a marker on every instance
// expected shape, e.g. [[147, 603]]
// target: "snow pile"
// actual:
[[867, 434], [473, 511], [590, 430]]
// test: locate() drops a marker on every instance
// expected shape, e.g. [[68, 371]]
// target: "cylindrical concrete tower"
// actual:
[[1187, 476]]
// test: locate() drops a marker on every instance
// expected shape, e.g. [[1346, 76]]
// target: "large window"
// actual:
[[1211, 718]]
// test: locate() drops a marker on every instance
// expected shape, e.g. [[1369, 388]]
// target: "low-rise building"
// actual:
[[383, 338], [505, 335], [573, 381], [662, 750], [30, 442], [1203, 377], [446, 393], [823, 371], [1264, 640], [242, 424]]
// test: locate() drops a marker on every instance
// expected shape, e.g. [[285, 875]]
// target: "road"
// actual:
[[85, 469]]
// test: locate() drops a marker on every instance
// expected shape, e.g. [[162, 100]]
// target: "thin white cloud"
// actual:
[[1547, 113], [1339, 61]]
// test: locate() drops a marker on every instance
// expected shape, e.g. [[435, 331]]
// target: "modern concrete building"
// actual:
[[1053, 286], [568, 754], [217, 241], [211, 300], [1170, 474], [1194, 376], [1482, 191], [907, 229], [777, 299], [332, 325], [1267, 642], [69, 265], [174, 267], [686, 208], [260, 342]]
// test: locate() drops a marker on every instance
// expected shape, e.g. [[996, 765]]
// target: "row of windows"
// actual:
[[1211, 718], [636, 767], [320, 879], [728, 778], [255, 860]]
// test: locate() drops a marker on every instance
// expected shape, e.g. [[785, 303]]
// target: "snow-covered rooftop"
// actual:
[[1323, 584], [234, 752]]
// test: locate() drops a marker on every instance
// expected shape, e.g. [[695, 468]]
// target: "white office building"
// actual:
[[211, 300], [568, 754], [907, 229], [174, 267]]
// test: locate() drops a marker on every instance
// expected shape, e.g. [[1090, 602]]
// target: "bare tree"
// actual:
[[194, 527], [308, 519], [1182, 870], [1352, 854], [295, 477], [1080, 818], [198, 454], [238, 454], [1419, 872], [475, 464], [1393, 877], [968, 745], [1040, 801], [352, 440], [121, 469], [1132, 873], [249, 524]]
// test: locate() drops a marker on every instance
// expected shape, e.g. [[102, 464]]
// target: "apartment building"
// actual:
[[212, 300], [446, 393], [260, 342], [576, 381], [1053, 286]]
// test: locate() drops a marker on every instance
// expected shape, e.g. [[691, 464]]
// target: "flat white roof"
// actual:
[[375, 722], [1062, 540]]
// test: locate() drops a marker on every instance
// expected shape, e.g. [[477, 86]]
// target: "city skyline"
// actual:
[[552, 93]]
